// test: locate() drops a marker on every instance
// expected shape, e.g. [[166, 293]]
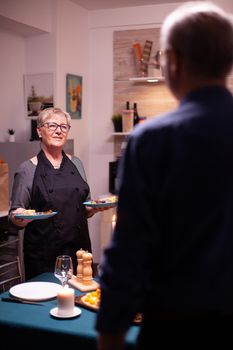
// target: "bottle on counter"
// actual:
[[127, 105], [136, 117]]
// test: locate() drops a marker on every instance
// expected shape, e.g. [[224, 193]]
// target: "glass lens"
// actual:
[[53, 126], [64, 127]]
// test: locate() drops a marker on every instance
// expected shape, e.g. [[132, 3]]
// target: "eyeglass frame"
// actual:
[[57, 125]]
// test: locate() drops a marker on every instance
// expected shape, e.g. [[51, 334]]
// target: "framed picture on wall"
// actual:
[[38, 93], [74, 95]]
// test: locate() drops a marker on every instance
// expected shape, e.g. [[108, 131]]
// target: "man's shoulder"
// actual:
[[156, 123]]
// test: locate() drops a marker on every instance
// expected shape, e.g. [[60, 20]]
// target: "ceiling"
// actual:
[[110, 4]]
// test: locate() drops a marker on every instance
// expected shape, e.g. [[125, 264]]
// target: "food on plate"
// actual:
[[47, 212], [29, 212], [33, 212], [112, 199], [92, 299]]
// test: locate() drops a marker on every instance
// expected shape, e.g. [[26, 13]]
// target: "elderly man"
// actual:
[[171, 256]]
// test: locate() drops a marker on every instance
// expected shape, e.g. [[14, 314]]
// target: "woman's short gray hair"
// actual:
[[47, 113]]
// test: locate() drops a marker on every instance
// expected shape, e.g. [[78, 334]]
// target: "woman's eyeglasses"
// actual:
[[53, 127]]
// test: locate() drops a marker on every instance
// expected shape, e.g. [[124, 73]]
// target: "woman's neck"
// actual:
[[53, 155]]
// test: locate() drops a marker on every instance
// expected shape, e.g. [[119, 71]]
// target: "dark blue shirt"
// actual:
[[173, 243]]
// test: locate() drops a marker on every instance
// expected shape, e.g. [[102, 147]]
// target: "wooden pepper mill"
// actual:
[[79, 255], [84, 280], [87, 269]]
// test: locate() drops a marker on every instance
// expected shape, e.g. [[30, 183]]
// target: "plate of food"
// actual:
[[31, 214], [91, 301], [101, 203]]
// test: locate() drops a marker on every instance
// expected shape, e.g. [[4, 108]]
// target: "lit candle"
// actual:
[[65, 301], [113, 222]]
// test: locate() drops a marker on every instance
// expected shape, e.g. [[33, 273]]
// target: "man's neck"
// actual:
[[190, 85]]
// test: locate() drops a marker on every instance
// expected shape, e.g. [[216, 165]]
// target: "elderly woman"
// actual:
[[52, 180]]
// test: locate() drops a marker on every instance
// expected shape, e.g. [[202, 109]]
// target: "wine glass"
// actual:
[[63, 268]]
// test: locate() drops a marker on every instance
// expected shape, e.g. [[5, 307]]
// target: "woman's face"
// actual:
[[51, 137]]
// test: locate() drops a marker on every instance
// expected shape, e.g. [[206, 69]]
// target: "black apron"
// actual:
[[62, 190]]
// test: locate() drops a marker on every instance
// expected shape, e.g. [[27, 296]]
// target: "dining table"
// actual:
[[33, 325]]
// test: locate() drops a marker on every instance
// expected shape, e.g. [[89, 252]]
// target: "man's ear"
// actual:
[[174, 62], [175, 72]]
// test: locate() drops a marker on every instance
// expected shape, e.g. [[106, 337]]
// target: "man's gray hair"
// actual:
[[201, 34]]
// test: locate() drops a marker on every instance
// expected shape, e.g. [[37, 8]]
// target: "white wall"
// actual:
[[19, 20], [11, 86], [72, 57], [32, 13], [227, 5]]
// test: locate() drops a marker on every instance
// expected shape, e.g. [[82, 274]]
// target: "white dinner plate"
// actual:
[[37, 291], [76, 312], [36, 216]]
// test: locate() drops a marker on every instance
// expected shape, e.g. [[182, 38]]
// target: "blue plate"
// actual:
[[100, 205], [36, 216]]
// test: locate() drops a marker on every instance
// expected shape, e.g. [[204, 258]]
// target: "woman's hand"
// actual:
[[17, 221]]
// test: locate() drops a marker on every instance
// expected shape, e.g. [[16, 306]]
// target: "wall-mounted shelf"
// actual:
[[147, 79]]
